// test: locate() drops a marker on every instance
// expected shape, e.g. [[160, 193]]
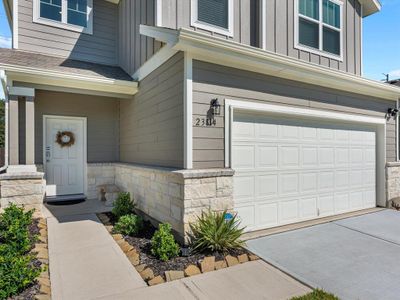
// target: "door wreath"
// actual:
[[65, 138]]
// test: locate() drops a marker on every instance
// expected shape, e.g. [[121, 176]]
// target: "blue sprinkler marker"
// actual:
[[228, 217]]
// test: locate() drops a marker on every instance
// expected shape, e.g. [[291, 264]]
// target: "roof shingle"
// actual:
[[14, 57]]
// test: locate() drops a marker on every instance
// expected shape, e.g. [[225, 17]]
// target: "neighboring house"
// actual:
[[256, 106], [395, 82]]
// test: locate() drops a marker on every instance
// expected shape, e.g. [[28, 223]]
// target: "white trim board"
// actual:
[[84, 119], [321, 25], [63, 24], [194, 21], [236, 105], [188, 111], [15, 24]]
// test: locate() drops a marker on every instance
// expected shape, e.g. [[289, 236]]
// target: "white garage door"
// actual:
[[291, 170]]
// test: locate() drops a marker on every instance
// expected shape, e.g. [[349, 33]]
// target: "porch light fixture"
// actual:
[[215, 107], [392, 112]]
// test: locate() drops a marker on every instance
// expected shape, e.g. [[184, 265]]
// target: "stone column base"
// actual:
[[22, 188]]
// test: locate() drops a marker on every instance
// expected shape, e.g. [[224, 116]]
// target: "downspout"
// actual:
[[3, 80]]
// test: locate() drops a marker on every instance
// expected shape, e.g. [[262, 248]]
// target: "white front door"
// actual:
[[64, 166], [289, 170]]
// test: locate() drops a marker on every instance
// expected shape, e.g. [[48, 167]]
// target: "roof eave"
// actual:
[[8, 9], [370, 7], [73, 81], [224, 52]]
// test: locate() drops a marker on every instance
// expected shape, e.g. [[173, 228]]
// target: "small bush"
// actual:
[[17, 272], [213, 233], [14, 231], [129, 224], [17, 268], [123, 205], [163, 245], [317, 295]]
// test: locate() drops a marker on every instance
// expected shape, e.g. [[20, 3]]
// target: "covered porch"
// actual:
[[62, 118]]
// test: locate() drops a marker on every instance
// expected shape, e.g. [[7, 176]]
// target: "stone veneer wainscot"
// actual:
[[167, 195]]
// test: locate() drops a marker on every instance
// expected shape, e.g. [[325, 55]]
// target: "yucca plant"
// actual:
[[214, 232]]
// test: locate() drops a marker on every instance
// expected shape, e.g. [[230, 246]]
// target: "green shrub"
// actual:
[[14, 231], [129, 224], [213, 233], [17, 272], [317, 295], [123, 205], [163, 245]]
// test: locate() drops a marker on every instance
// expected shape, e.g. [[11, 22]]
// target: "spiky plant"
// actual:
[[213, 232]]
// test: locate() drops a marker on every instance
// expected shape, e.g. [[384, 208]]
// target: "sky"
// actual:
[[381, 36]]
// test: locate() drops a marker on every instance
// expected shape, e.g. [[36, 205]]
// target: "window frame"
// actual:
[[210, 27], [321, 26], [64, 17]]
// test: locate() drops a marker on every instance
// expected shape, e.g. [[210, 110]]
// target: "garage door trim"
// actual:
[[232, 106]]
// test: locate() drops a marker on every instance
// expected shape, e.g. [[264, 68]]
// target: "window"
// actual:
[[319, 27], [73, 15], [213, 15]]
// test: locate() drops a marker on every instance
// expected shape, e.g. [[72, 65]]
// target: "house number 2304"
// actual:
[[205, 122]]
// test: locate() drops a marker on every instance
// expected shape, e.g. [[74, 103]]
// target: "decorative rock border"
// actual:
[[208, 264], [42, 253]]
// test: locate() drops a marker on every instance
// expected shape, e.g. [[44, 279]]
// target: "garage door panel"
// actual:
[[267, 214], [288, 184], [267, 157], [243, 157], [289, 211], [308, 208], [289, 156], [267, 185], [288, 171]]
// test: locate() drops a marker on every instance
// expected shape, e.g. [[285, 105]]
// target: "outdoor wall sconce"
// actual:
[[392, 112], [215, 107]]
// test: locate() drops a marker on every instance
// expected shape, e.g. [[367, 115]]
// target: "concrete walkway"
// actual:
[[253, 280], [85, 262]]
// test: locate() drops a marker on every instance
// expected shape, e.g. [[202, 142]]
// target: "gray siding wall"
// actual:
[[280, 29], [213, 81], [152, 124], [280, 35], [101, 47], [102, 115], [135, 49], [177, 14]]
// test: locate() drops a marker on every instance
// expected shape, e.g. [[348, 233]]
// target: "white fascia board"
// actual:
[[51, 78], [165, 35], [224, 52], [165, 53]]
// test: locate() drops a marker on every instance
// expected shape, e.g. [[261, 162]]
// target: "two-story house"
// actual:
[[255, 106]]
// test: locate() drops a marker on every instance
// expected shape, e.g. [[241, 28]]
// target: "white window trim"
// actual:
[[321, 24], [216, 29], [63, 24]]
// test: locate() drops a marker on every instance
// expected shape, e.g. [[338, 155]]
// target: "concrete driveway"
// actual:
[[354, 258]]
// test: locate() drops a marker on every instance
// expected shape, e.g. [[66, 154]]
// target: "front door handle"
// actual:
[[48, 153]]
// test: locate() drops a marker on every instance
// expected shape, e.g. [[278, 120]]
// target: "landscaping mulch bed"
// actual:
[[142, 243]]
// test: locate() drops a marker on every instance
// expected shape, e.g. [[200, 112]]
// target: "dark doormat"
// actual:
[[65, 202]]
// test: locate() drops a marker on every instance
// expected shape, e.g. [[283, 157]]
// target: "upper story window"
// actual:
[[319, 27], [213, 15], [75, 15]]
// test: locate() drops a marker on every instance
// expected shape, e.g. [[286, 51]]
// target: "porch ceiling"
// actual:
[[45, 70]]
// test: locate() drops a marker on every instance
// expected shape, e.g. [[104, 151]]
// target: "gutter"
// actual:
[[68, 80]]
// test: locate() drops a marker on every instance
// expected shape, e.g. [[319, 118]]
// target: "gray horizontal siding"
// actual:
[[135, 49], [214, 81], [102, 122], [152, 124], [100, 47]]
